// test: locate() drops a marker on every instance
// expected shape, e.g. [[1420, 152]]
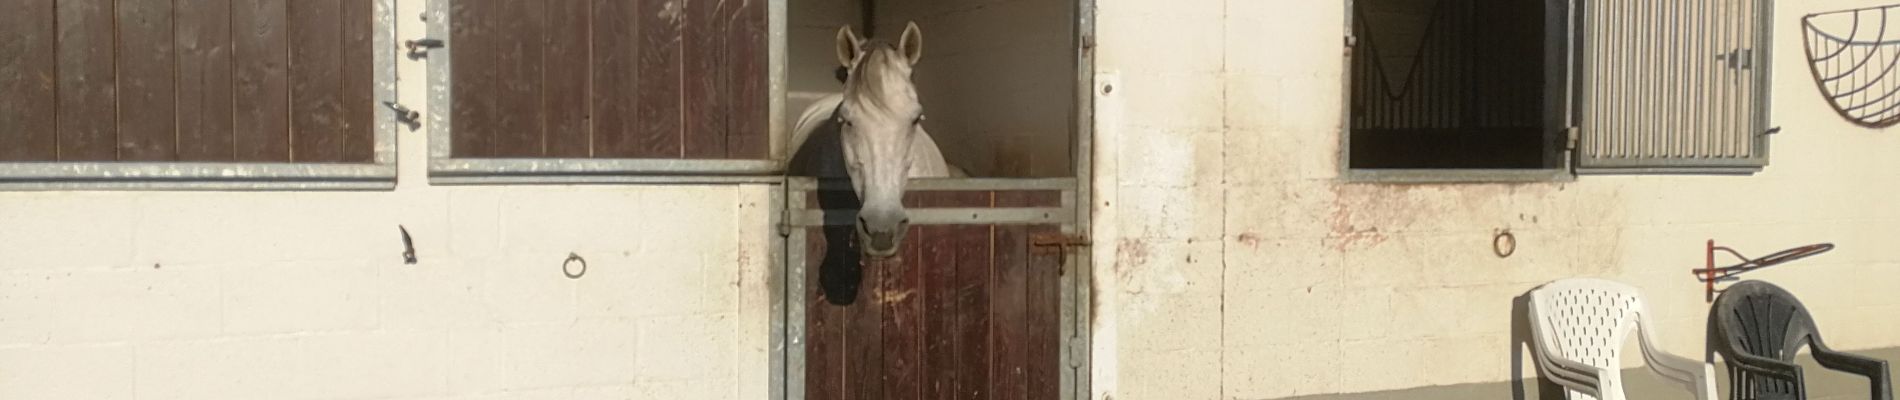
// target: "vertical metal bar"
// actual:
[[1623, 65], [1699, 145], [1652, 88], [1668, 55], [1598, 117], [1718, 38], [779, 276], [1075, 379], [794, 296], [1764, 80], [778, 138], [441, 95]]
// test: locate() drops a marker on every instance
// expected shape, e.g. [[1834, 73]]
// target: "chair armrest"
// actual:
[[1763, 365], [1874, 369], [1574, 376], [1695, 376]]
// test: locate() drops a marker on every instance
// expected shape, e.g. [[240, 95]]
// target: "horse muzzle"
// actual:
[[882, 240]]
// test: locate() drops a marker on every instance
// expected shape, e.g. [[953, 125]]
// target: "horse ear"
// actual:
[[912, 43], [847, 46]]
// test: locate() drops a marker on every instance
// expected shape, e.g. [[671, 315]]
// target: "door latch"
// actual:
[[419, 48], [405, 115], [1040, 244]]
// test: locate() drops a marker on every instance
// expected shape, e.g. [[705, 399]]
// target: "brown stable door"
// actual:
[[963, 312]]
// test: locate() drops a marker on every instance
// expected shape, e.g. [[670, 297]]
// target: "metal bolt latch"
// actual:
[[405, 115], [1061, 242], [419, 48]]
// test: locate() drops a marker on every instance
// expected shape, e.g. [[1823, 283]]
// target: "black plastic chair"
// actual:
[[1758, 327]]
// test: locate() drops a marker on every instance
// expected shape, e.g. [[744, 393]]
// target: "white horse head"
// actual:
[[879, 130]]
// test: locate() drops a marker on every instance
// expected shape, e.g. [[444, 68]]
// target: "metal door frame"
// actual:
[[1076, 316]]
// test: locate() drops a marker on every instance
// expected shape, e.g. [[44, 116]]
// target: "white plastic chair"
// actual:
[[1579, 325]]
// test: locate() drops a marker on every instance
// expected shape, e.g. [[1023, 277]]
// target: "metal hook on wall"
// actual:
[[1712, 274]]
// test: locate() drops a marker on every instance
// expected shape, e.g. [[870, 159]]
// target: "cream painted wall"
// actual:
[[1235, 264], [288, 295]]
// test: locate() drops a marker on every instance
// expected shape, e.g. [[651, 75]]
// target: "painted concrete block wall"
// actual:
[[291, 295], [1234, 263]]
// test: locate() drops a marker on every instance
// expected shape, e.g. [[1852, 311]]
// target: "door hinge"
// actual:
[[1572, 135], [1044, 243]]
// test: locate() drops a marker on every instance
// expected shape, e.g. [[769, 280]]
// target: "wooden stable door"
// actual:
[[967, 311]]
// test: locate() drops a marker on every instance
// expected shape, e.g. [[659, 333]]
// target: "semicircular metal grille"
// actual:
[[1854, 55]]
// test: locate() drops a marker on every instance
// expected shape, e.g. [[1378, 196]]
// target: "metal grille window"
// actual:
[[1540, 89], [1451, 85], [1676, 86], [196, 94], [592, 91]]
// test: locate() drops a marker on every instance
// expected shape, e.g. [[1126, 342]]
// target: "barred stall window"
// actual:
[[1546, 88], [602, 88]]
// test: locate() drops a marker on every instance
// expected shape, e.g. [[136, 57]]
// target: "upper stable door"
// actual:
[[228, 94], [588, 88]]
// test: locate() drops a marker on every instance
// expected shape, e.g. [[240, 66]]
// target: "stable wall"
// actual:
[[1234, 263], [287, 295]]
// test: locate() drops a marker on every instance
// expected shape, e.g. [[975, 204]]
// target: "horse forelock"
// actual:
[[880, 80]]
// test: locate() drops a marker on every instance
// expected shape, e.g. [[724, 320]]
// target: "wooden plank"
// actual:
[[974, 299], [474, 112], [705, 67], [1008, 314], [518, 63], [27, 76], [261, 38], [901, 294], [824, 328], [88, 90], [147, 85], [939, 262], [864, 334], [616, 82], [748, 77], [569, 70], [359, 81], [658, 132], [316, 80], [205, 107], [1044, 305]]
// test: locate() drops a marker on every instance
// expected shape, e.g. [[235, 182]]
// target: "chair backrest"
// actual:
[[1587, 320], [1761, 319]]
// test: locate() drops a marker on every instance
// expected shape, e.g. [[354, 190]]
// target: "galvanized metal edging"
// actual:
[[380, 174]]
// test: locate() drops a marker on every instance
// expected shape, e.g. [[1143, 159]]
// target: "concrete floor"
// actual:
[[1639, 384]]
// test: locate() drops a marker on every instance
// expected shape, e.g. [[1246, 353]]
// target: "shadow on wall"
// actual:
[[1521, 348]]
